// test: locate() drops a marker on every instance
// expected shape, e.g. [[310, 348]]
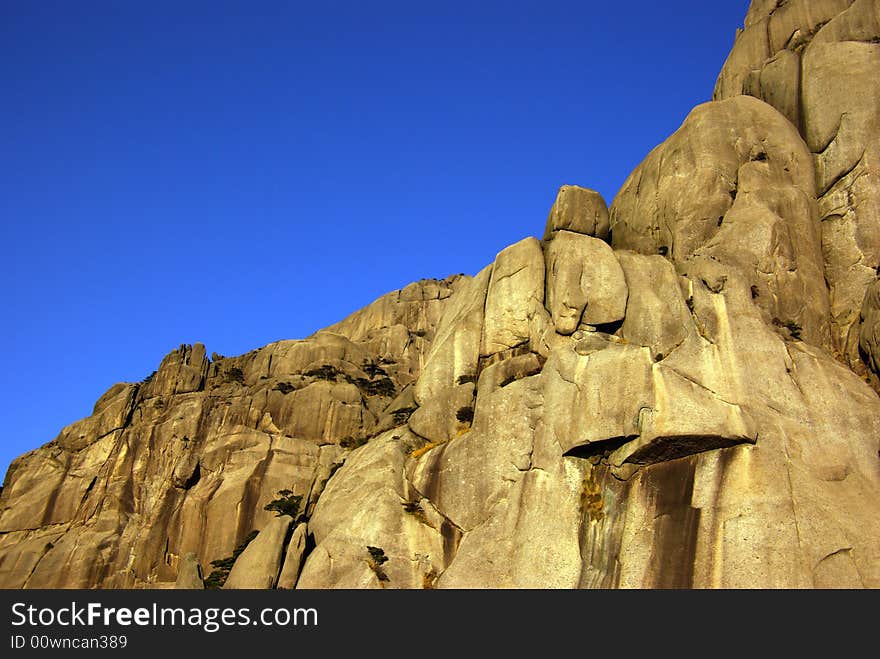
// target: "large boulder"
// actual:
[[260, 562], [732, 194], [818, 63], [585, 283], [579, 210]]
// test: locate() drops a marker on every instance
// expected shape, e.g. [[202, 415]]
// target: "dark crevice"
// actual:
[[308, 548], [91, 485], [599, 449], [194, 478], [520, 374], [609, 328], [664, 449], [676, 523], [132, 406], [451, 537]]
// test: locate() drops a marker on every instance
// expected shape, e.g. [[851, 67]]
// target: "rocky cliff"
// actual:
[[678, 391]]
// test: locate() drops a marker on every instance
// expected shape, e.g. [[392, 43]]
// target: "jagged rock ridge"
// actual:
[[673, 392]]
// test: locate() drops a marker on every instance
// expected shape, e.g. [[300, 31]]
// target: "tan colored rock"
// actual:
[[686, 417], [293, 558], [746, 206], [844, 132], [840, 112], [364, 506], [596, 399], [819, 58], [706, 434], [579, 210], [259, 564], [503, 373], [189, 575], [182, 371], [585, 283], [507, 487], [153, 475], [860, 21], [447, 380], [771, 28], [869, 331], [517, 280], [110, 413], [778, 84], [656, 314]]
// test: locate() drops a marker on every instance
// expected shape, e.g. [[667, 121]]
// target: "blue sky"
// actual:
[[237, 173]]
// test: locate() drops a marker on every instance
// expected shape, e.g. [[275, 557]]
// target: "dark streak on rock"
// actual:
[[676, 522], [664, 449]]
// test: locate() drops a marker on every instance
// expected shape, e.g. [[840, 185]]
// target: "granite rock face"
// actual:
[[818, 63], [187, 460], [676, 392]]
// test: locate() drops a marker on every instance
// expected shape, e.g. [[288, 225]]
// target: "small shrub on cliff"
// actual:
[[284, 387], [429, 579], [414, 508], [325, 372], [384, 386], [235, 374], [465, 414], [372, 369], [793, 328], [376, 560], [223, 566], [352, 442], [287, 503], [592, 502]]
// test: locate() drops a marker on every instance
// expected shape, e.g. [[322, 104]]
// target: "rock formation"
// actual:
[[675, 392]]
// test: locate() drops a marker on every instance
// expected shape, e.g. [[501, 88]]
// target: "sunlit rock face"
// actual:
[[818, 63], [675, 391]]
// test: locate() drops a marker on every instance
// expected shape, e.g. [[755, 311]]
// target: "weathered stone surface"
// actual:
[[579, 210], [817, 63], [365, 505], [770, 28], [189, 575], [840, 112], [746, 205], [259, 564], [185, 462], [517, 280], [689, 409], [844, 132], [596, 399], [656, 314], [446, 385], [509, 370], [869, 331], [182, 371], [293, 558], [585, 283]]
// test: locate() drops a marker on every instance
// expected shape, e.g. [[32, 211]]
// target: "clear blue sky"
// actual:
[[241, 172]]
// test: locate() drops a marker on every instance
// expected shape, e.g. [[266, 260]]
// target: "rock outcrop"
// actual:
[[818, 63], [675, 392]]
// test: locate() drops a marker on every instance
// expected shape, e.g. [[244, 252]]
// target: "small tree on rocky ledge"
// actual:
[[287, 503]]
